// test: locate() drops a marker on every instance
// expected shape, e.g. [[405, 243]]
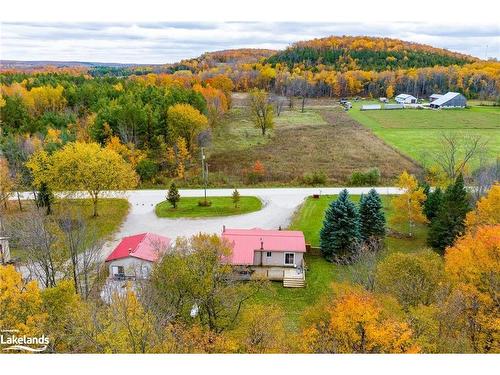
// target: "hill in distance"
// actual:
[[367, 53]]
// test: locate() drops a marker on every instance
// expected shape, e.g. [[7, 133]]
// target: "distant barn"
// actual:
[[450, 100], [405, 99], [435, 97]]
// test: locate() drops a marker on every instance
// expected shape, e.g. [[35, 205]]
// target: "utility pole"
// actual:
[[204, 168]]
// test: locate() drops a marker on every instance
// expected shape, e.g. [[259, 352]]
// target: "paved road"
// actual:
[[279, 204]]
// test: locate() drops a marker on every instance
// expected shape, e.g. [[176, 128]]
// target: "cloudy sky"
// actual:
[[165, 42]]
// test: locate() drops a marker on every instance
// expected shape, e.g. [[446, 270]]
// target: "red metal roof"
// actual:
[[246, 241], [146, 246]]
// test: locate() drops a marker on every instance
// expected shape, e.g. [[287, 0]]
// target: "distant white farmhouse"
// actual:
[[450, 100], [405, 99]]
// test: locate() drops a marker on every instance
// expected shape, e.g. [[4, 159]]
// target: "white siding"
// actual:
[[133, 267]]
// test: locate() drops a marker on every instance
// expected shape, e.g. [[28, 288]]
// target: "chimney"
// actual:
[[279, 227], [261, 244], [223, 228], [130, 250]]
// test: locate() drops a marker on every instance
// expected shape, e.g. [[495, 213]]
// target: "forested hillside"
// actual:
[[366, 53]]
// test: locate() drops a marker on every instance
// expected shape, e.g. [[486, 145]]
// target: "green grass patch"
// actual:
[[417, 133], [321, 274], [221, 206], [296, 117]]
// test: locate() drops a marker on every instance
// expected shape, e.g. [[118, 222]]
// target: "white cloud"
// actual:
[[164, 42]]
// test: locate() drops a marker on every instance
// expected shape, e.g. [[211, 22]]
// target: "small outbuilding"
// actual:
[[405, 99], [135, 255], [450, 100], [370, 107]]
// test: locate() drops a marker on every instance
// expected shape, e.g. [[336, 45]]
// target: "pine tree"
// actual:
[[236, 197], [45, 198], [449, 222], [371, 216], [340, 233], [433, 202], [173, 195]]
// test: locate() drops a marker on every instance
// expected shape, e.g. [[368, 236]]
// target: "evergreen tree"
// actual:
[[236, 197], [432, 203], [449, 221], [340, 233], [173, 195], [371, 216], [45, 198]]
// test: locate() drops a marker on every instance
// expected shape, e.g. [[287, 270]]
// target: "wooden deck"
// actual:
[[291, 277]]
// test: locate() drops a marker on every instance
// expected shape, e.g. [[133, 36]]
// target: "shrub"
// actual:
[[204, 203], [146, 169], [315, 178], [367, 178]]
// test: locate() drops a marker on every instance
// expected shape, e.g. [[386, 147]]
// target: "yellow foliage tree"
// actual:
[[487, 210], [408, 205], [6, 182], [472, 265], [84, 167], [187, 122], [128, 152], [20, 304], [357, 322]]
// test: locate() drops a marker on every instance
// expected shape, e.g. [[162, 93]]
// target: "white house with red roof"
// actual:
[[135, 255], [275, 254]]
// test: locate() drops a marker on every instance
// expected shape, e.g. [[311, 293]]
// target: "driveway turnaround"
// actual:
[[278, 206]]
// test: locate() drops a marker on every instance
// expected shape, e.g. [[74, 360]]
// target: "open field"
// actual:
[[325, 139], [320, 273], [221, 206], [112, 213], [417, 132]]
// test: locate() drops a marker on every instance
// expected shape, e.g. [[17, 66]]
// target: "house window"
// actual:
[[269, 254], [289, 259], [118, 271]]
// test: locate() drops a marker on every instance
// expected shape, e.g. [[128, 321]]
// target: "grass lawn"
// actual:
[[221, 206], [417, 132], [319, 140], [112, 213], [321, 274]]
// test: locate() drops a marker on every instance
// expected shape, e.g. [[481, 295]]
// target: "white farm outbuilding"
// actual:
[[405, 99], [450, 100]]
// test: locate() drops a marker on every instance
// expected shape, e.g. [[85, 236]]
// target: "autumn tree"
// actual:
[[389, 92], [195, 281], [187, 122], [449, 222], [340, 234], [86, 167], [20, 304], [487, 211], [173, 196], [412, 278], [408, 205], [472, 266], [261, 111], [261, 330], [6, 183], [356, 321]]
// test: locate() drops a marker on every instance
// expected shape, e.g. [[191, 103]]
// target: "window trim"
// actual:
[[293, 259], [269, 254]]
